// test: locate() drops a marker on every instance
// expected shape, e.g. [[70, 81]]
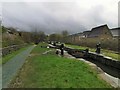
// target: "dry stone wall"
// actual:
[[9, 49]]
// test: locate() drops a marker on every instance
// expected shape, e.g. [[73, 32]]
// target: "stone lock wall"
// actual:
[[93, 56], [104, 60], [96, 57]]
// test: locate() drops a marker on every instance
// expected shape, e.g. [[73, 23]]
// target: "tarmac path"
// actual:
[[10, 69]]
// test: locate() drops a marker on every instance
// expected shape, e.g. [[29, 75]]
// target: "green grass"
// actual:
[[39, 50], [51, 71], [108, 53], [11, 55]]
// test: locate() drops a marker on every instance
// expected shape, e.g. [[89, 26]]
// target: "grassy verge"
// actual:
[[11, 55], [39, 50], [108, 53], [51, 71]]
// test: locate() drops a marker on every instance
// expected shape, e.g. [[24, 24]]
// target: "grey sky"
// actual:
[[51, 17]]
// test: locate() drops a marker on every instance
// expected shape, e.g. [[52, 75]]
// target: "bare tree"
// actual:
[[65, 33], [38, 36]]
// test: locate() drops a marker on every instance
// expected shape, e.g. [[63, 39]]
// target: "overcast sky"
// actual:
[[53, 16]]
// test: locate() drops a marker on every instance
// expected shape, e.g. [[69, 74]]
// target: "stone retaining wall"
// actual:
[[9, 49]]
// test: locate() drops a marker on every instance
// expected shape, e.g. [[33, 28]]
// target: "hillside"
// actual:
[[10, 37]]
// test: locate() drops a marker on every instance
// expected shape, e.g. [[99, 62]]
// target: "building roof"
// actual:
[[86, 33], [76, 34], [80, 34], [115, 32], [97, 31]]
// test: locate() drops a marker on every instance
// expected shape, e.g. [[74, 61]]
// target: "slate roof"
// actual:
[[97, 31], [77, 34], [115, 32], [86, 33]]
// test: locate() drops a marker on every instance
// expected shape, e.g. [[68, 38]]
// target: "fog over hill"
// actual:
[[53, 17]]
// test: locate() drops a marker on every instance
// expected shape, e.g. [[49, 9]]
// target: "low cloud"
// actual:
[[52, 17]]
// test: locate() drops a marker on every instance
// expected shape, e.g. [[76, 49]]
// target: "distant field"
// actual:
[[108, 53], [51, 71]]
